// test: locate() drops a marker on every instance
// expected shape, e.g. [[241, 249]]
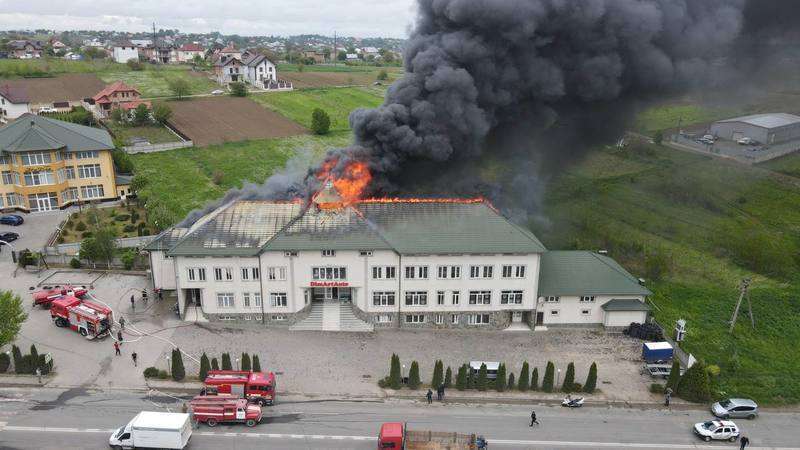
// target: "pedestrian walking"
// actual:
[[121, 323], [133, 305], [39, 376], [667, 396], [116, 348], [133, 357], [119, 336], [144, 295], [429, 395], [160, 295], [439, 393], [442, 387], [744, 441], [533, 419]]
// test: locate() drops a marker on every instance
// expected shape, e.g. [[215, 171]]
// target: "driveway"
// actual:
[[34, 233]]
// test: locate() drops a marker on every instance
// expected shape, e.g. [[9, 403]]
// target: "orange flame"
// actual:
[[351, 183], [422, 200]]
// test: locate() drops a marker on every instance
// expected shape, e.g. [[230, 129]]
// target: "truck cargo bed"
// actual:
[[438, 440]]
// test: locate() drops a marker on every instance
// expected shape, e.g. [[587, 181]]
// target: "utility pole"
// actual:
[[335, 55], [742, 292]]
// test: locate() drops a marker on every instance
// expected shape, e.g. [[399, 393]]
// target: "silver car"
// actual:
[[735, 408]]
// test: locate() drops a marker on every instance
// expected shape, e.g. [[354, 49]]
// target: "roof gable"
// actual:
[[577, 273], [15, 94], [31, 132], [117, 86]]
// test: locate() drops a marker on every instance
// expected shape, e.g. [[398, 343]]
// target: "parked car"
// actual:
[[735, 408], [217, 92], [719, 430], [9, 236], [47, 109], [12, 219], [745, 141]]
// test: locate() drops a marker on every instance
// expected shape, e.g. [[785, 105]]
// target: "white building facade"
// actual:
[[124, 52]]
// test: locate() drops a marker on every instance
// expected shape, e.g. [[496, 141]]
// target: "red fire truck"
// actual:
[[256, 387], [46, 296], [87, 318], [225, 411]]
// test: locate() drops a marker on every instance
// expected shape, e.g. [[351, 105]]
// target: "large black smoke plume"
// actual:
[[477, 66]]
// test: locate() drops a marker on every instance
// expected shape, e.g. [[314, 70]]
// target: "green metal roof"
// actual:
[[580, 273], [619, 304], [31, 133], [166, 239]]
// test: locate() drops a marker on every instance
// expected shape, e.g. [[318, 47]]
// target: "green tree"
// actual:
[[438, 376], [320, 122], [382, 75], [34, 353], [448, 377], [5, 362], [179, 87], [205, 365], [461, 378], [549, 377], [117, 115], [502, 378], [141, 115], [134, 64], [256, 364], [226, 362], [657, 264], [238, 89], [481, 383], [246, 362], [16, 355], [658, 137], [413, 376], [138, 182], [122, 161], [674, 376], [591, 379], [535, 379], [162, 112], [695, 385], [12, 315], [569, 379], [524, 377], [178, 371], [214, 364], [395, 377], [342, 55], [105, 245]]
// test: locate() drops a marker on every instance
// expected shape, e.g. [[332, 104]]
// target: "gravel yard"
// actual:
[[351, 364]]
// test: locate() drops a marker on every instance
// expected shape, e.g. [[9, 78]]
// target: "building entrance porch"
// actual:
[[332, 294]]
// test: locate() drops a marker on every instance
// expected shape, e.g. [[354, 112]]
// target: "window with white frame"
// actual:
[[439, 319], [415, 318], [586, 312], [223, 274], [329, 253], [554, 312], [455, 297], [246, 299], [448, 272], [250, 273], [416, 298], [89, 171], [69, 195], [35, 158], [225, 300], [92, 191], [454, 319], [328, 273], [383, 318], [5, 159], [383, 298], [196, 274], [277, 273], [227, 317], [257, 299], [278, 299], [480, 297], [511, 297], [384, 272], [69, 173], [478, 319], [440, 297], [14, 199], [417, 272], [587, 299], [10, 177], [39, 178], [365, 253], [514, 271], [87, 154], [279, 317], [552, 299], [481, 272]]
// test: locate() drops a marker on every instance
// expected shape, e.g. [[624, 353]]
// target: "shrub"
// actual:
[[384, 383], [256, 364], [246, 361], [320, 122], [657, 388], [658, 137], [5, 362], [577, 387], [461, 378], [657, 264], [591, 379], [482, 380], [535, 379], [129, 228], [569, 378], [141, 115], [128, 259], [34, 353], [122, 218], [112, 212], [448, 377], [395, 377], [382, 75], [694, 385], [151, 372], [178, 371], [214, 364], [238, 89], [75, 263], [502, 378], [162, 113], [524, 377], [163, 375], [674, 376], [217, 177], [80, 226], [122, 161], [512, 381], [134, 64], [226, 362], [134, 217], [549, 377], [413, 376], [438, 376], [16, 355], [205, 365]]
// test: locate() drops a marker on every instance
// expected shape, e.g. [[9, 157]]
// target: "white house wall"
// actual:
[[163, 270], [570, 310], [13, 110]]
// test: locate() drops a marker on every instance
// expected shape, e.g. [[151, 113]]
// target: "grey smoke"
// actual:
[[473, 65]]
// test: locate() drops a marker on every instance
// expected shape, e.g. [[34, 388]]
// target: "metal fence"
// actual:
[[151, 148]]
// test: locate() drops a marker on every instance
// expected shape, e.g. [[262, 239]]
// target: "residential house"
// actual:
[[317, 56], [366, 52], [48, 164], [187, 52], [125, 51], [229, 51], [25, 49], [14, 102], [58, 46], [352, 57], [141, 43], [259, 71], [117, 95], [228, 69]]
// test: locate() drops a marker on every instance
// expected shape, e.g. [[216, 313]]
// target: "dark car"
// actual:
[[12, 219], [9, 236]]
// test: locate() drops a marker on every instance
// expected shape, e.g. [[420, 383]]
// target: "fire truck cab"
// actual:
[[225, 411], [46, 296], [87, 318], [256, 387]]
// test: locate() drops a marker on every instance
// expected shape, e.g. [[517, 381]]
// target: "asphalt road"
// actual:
[[57, 419]]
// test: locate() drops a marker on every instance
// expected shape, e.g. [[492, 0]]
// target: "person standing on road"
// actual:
[[119, 336], [144, 295], [533, 419], [429, 396], [667, 396], [116, 348], [121, 323], [160, 295], [442, 389], [133, 305], [39, 376], [744, 441], [133, 357]]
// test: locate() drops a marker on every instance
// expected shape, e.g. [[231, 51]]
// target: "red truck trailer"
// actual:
[[87, 318], [397, 435], [46, 296], [256, 387], [235, 410]]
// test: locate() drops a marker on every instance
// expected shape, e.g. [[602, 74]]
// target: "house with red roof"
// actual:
[[187, 52], [118, 95]]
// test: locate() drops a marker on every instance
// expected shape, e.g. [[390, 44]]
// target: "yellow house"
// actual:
[[48, 164]]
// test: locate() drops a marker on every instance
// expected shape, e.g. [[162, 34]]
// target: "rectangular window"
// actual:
[[440, 297], [69, 173], [454, 319], [87, 155], [191, 275], [257, 299], [225, 300], [245, 273], [35, 158], [329, 273], [276, 273], [365, 253], [69, 195], [419, 272], [277, 299], [329, 253], [93, 191], [416, 298], [482, 272], [513, 271], [415, 318], [250, 273], [255, 273], [478, 319], [13, 199], [554, 312], [511, 297], [456, 297], [552, 299], [246, 299], [587, 299], [383, 298], [383, 318], [10, 177], [223, 274], [384, 272], [279, 317], [5, 159], [89, 171], [586, 312], [480, 297], [439, 319], [377, 272], [39, 178], [448, 272]]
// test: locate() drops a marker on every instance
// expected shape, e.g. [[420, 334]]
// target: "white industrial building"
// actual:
[[407, 263], [775, 128]]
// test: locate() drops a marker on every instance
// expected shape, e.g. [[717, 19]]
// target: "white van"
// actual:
[[153, 430], [491, 368]]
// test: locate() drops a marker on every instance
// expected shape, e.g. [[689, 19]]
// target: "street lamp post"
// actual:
[[403, 375], [558, 378], [237, 363], [169, 367]]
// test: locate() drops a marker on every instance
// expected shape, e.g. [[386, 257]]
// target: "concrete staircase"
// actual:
[[331, 316]]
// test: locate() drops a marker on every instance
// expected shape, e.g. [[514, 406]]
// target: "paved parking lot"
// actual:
[[34, 233]]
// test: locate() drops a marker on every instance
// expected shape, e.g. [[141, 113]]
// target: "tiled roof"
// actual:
[[578, 273], [15, 94], [114, 87], [31, 132], [191, 48]]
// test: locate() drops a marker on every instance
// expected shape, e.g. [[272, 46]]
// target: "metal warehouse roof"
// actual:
[[31, 132], [772, 120], [580, 273]]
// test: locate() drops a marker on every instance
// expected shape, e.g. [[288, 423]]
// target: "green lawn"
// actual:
[[155, 134], [153, 82], [10, 68], [337, 68], [337, 102], [182, 180], [669, 116], [713, 222], [789, 165]]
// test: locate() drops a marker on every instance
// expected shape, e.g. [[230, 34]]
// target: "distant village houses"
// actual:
[[187, 52], [25, 49]]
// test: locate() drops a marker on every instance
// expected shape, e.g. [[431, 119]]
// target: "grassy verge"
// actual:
[[789, 165], [337, 68], [337, 102], [155, 134], [12, 68], [154, 80], [710, 223], [670, 116]]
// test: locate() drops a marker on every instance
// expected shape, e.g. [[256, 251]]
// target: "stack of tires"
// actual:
[[646, 331]]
